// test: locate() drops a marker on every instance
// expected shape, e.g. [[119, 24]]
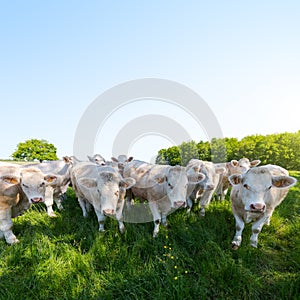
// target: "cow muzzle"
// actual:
[[36, 199], [210, 187], [179, 204], [109, 212], [257, 207]]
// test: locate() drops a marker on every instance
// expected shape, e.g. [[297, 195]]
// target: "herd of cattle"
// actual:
[[106, 185]]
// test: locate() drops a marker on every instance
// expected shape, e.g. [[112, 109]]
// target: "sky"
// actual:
[[58, 57]]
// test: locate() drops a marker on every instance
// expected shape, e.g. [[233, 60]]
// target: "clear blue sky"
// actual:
[[56, 57]]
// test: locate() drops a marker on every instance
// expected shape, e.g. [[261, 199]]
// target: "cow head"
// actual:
[[97, 159], [122, 160], [241, 166], [175, 183], [106, 191], [33, 183], [255, 187]]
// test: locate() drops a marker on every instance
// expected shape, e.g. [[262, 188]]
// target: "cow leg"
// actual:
[[101, 219], [6, 225], [82, 203], [129, 198], [119, 215], [239, 227], [189, 203], [269, 214], [156, 217], [256, 229], [204, 201], [49, 201], [164, 220], [58, 201]]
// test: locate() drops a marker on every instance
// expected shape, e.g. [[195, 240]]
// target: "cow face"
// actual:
[[175, 184], [97, 159], [106, 191], [122, 160], [242, 166], [211, 175], [33, 183], [255, 188]]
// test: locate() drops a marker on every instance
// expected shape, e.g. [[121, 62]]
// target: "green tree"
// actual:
[[188, 150], [204, 151], [218, 150], [170, 156], [35, 149]]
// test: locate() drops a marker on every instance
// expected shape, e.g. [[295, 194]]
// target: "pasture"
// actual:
[[67, 258]]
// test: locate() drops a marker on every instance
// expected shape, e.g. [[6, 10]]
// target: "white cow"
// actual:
[[122, 160], [55, 193], [254, 195], [97, 159], [19, 188], [165, 188], [103, 188], [232, 167], [205, 188]]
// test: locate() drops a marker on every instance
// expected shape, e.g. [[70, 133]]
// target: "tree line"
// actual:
[[281, 149]]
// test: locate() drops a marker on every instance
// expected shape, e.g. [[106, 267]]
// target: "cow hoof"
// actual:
[[52, 215], [13, 241], [234, 246], [122, 230], [155, 234], [254, 245]]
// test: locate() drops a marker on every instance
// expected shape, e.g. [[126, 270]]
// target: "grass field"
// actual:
[[67, 258]]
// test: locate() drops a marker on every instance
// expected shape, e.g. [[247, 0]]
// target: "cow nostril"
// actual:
[[179, 204], [109, 212], [257, 206], [36, 199]]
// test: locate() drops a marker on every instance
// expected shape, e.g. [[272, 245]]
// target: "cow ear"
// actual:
[[127, 182], [235, 179], [67, 159], [87, 182], [255, 163], [114, 159], [201, 177], [10, 179], [220, 170], [130, 158], [50, 179], [283, 181], [160, 179], [234, 163], [90, 158]]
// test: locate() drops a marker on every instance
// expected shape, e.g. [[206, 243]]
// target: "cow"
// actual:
[[254, 196], [19, 188], [101, 187], [232, 167], [205, 188], [97, 159], [122, 160], [165, 188], [57, 192]]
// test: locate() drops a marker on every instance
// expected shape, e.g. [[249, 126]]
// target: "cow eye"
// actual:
[[269, 187], [42, 184], [246, 186], [170, 185]]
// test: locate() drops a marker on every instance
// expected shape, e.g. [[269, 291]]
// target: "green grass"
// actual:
[[67, 258]]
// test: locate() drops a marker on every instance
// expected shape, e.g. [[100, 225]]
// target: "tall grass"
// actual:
[[67, 258]]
